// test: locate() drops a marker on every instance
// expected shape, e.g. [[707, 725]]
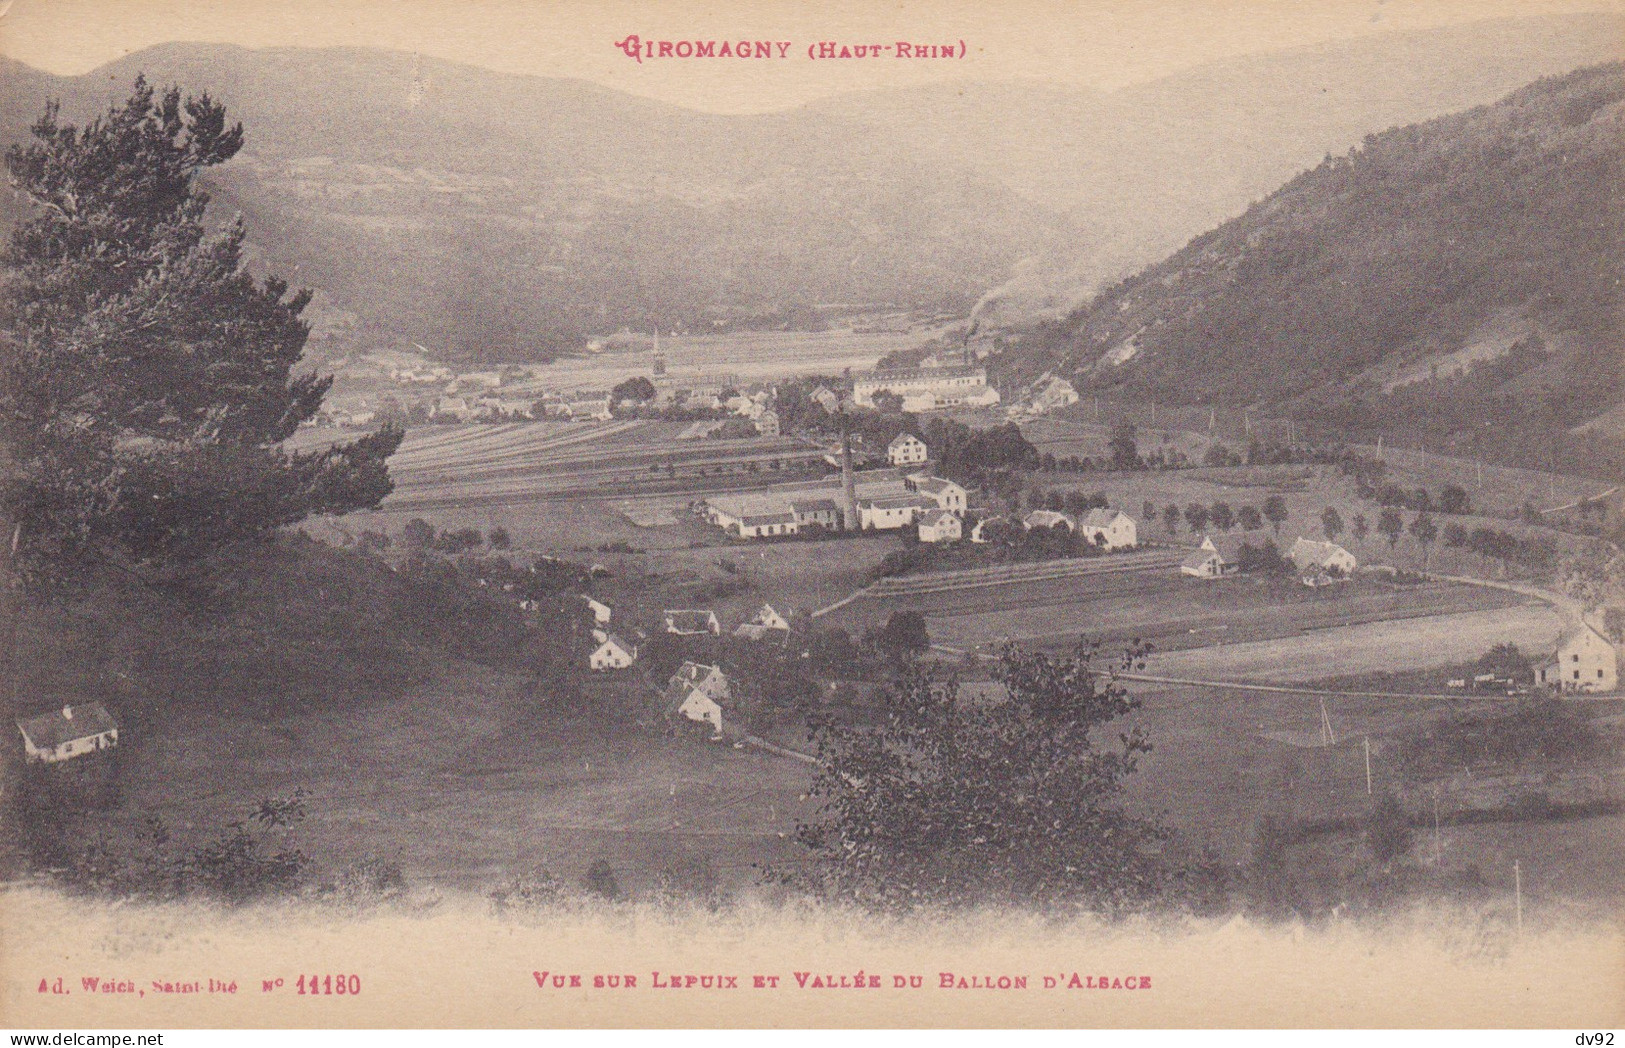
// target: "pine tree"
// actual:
[[146, 379]]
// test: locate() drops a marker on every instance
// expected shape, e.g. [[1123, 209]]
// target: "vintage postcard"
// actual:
[[1052, 514]]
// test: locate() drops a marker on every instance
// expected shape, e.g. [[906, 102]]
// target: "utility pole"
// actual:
[[1368, 765], [1517, 892]]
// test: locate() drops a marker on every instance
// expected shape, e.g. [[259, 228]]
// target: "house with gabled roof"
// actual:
[[601, 612], [1582, 661], [697, 692], [1109, 529], [691, 622], [71, 731], [906, 450], [613, 653], [1310, 557], [1206, 562], [938, 525], [767, 616]]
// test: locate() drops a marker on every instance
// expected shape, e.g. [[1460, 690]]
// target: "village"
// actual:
[[708, 564]]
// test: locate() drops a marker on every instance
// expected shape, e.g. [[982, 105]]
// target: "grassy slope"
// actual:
[[1398, 250]]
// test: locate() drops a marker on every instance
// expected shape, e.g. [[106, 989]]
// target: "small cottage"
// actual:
[[938, 525], [1311, 557], [613, 654], [1206, 563], [696, 692], [69, 732], [1109, 529]]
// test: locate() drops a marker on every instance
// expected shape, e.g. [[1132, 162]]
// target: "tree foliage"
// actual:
[[950, 799], [146, 379]]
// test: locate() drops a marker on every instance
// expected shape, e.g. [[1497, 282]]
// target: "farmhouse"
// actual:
[[691, 622], [1309, 556], [1047, 518], [696, 692], [69, 732], [906, 450], [826, 399], [1583, 662], [938, 525], [1206, 563], [1110, 529], [613, 654], [600, 611]]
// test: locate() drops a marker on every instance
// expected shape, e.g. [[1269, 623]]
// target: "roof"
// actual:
[[1318, 552], [1101, 518], [805, 506], [1046, 518], [897, 502], [1201, 557], [615, 639], [1581, 632], [902, 439], [933, 484], [47, 731], [755, 630], [778, 517], [935, 517]]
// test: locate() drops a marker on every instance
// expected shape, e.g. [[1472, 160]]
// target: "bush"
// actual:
[[1387, 830]]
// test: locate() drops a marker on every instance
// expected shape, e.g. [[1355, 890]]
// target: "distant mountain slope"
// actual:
[[499, 217], [492, 216], [1442, 276]]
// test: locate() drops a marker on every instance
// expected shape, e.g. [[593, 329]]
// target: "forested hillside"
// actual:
[[1457, 279]]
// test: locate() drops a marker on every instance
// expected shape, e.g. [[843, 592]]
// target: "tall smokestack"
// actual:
[[849, 489]]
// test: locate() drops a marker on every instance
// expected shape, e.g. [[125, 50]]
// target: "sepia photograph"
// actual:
[[929, 515]]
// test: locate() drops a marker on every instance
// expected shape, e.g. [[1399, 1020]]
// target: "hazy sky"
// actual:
[[1088, 42]]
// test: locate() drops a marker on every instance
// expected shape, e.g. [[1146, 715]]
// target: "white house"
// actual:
[[1310, 557], [826, 399], [938, 525], [69, 732], [906, 450], [766, 616], [1109, 528], [613, 654], [600, 611], [1583, 661], [1047, 518], [1206, 563], [686, 622], [696, 692]]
